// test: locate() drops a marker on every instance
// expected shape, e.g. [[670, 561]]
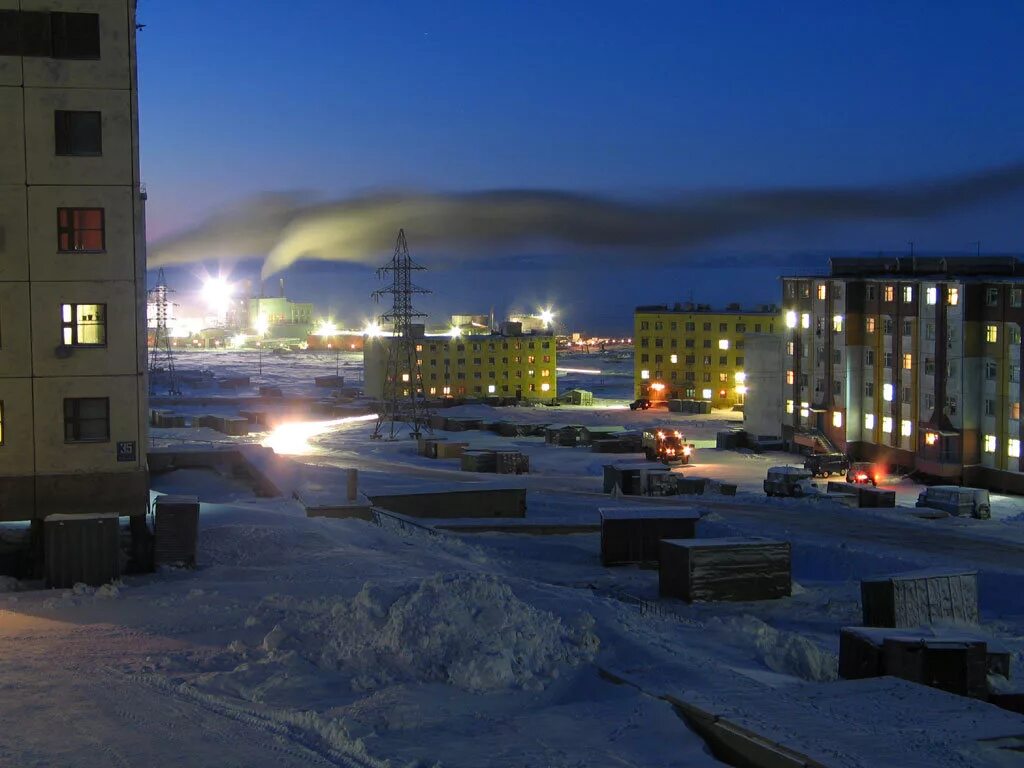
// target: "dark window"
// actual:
[[87, 420], [75, 35], [84, 325], [28, 31], [9, 37], [77, 133], [80, 229]]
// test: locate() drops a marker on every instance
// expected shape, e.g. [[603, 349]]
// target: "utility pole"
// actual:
[[404, 397], [161, 358]]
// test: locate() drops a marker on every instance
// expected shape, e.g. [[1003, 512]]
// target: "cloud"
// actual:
[[285, 228]]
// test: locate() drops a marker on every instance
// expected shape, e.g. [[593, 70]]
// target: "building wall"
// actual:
[[683, 351], [41, 472], [931, 379], [762, 411], [472, 366]]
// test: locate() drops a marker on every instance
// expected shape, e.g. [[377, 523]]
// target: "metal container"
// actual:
[[177, 530], [724, 569], [81, 549], [633, 534], [919, 598]]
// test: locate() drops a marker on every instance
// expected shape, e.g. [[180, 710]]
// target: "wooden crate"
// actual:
[[724, 569], [956, 667], [919, 598], [634, 534]]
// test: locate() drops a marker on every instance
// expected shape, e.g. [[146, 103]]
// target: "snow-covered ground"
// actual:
[[311, 641]]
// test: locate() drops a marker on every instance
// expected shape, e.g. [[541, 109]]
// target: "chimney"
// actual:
[[282, 287]]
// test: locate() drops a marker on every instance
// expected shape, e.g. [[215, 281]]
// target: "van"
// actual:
[[789, 481], [825, 464], [957, 500]]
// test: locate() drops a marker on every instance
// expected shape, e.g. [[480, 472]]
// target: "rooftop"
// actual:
[[979, 267], [689, 307]]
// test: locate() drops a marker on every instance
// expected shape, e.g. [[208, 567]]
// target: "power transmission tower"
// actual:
[[161, 358], [404, 396]]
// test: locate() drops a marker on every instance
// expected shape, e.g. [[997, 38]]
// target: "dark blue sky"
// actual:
[[626, 99]]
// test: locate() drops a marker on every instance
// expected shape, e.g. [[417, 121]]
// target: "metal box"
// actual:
[[81, 549], [176, 530], [633, 534], [724, 569], [956, 667], [919, 598]]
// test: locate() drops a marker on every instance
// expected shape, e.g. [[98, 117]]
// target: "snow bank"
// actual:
[[465, 629], [786, 652]]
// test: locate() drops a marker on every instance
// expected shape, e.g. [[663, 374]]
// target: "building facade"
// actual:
[[694, 352], [72, 261], [763, 409], [521, 367], [282, 318], [911, 362]]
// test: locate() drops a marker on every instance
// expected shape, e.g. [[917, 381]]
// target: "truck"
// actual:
[[666, 446]]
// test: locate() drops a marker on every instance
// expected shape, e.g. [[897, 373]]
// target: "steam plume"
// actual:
[[285, 228]]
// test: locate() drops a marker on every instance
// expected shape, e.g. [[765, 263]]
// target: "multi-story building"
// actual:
[[72, 261], [913, 362], [280, 318], [521, 366], [692, 351]]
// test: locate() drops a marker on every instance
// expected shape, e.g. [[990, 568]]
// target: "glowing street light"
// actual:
[[547, 316], [325, 330], [216, 293], [455, 332], [373, 330]]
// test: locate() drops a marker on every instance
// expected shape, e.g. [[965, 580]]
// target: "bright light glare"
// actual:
[[216, 292], [455, 332], [293, 438], [239, 340], [373, 330], [547, 316], [262, 325], [327, 328], [577, 370]]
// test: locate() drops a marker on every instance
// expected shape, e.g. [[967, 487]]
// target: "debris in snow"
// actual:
[[781, 651]]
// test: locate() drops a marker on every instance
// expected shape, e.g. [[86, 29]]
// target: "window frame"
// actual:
[[74, 420], [62, 129], [73, 325], [71, 229]]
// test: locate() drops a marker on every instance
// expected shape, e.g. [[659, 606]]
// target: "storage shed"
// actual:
[[919, 598], [633, 534], [724, 569]]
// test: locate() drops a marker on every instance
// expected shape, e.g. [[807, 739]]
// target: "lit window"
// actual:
[[991, 333], [804, 413], [905, 427], [491, 389], [545, 387], [887, 390], [741, 389], [837, 323], [887, 424], [953, 297], [1015, 411], [84, 325], [790, 377], [837, 419], [645, 374], [908, 293], [723, 343], [931, 438], [822, 292], [789, 406], [889, 292], [908, 361], [446, 390], [405, 377], [791, 319], [990, 443], [80, 229], [1013, 447], [869, 324], [805, 320], [740, 377], [931, 295], [673, 358], [706, 394], [869, 421]]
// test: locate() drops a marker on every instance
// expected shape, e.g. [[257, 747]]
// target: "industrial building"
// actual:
[[914, 362], [694, 352], [72, 262], [280, 318], [507, 364]]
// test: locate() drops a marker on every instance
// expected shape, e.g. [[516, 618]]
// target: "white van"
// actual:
[[957, 500]]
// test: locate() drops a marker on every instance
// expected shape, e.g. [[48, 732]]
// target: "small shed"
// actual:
[[563, 434], [83, 548], [478, 461], [636, 478], [633, 534], [919, 598], [589, 434], [724, 569], [577, 397]]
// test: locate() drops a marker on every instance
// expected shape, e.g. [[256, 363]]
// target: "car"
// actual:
[[957, 500], [640, 404], [863, 472], [789, 481], [825, 464]]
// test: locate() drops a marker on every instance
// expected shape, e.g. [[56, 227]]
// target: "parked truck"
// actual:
[[666, 446]]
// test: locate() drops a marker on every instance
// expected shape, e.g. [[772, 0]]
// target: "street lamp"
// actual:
[[262, 326], [325, 330], [547, 316]]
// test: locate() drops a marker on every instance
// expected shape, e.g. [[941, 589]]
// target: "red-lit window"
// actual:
[[80, 229]]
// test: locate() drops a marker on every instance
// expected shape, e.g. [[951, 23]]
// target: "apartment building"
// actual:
[[692, 351], [914, 362], [72, 261], [519, 366]]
